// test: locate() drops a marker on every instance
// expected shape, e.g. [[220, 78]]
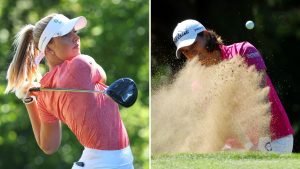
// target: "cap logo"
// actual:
[[197, 29], [180, 35], [57, 21]]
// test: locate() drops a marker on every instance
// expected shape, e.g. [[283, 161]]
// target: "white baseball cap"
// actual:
[[59, 25], [185, 34]]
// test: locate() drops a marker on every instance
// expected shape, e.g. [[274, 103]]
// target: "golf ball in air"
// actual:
[[249, 24]]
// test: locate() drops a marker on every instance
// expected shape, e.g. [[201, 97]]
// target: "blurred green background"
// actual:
[[117, 37]]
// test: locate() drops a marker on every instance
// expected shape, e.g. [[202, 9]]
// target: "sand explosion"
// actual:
[[204, 108]]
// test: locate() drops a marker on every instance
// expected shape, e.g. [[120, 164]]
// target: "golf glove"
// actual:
[[23, 89]]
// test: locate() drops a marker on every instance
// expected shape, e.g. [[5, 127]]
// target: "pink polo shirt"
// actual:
[[280, 125], [93, 118]]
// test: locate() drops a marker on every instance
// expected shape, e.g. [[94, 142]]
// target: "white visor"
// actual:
[[59, 25]]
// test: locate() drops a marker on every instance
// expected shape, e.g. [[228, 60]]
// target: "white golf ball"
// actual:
[[249, 24]]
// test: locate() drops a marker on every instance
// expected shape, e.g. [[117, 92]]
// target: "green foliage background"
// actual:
[[117, 37]]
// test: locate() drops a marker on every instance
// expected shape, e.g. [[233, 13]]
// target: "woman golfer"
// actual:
[[194, 40], [93, 118]]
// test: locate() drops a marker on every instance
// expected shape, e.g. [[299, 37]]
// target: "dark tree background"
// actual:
[[276, 35]]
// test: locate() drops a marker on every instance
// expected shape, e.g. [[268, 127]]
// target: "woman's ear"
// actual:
[[210, 41], [48, 50], [205, 33], [201, 37]]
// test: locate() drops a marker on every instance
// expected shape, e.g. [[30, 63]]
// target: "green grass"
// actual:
[[226, 160]]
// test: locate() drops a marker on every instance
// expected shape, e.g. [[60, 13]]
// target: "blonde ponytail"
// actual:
[[23, 68]]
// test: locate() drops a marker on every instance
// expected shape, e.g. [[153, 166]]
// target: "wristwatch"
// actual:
[[28, 100]]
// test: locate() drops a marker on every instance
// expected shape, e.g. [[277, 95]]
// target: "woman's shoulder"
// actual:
[[242, 45], [77, 67], [76, 71], [81, 63], [251, 54], [245, 48], [81, 60], [249, 50]]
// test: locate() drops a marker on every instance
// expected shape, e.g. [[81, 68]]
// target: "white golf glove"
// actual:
[[22, 90]]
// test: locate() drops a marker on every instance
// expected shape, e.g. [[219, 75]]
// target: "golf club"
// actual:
[[123, 91]]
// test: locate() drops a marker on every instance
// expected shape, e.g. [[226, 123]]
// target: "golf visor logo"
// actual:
[[180, 35], [199, 28]]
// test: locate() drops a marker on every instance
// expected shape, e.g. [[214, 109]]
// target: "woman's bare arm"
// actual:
[[47, 135]]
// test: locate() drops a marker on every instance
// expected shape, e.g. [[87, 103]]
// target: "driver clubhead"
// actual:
[[123, 91]]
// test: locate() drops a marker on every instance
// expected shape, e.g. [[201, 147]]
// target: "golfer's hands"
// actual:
[[23, 91]]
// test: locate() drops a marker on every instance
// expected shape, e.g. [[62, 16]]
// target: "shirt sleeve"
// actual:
[[98, 73], [252, 56], [82, 73], [44, 115], [101, 75], [79, 74]]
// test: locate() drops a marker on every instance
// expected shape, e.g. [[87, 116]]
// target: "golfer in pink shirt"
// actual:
[[93, 118], [194, 40]]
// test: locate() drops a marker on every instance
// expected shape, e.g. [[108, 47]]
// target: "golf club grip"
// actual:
[[35, 89]]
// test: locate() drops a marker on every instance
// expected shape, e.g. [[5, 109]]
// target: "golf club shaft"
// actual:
[[123, 91], [66, 90]]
